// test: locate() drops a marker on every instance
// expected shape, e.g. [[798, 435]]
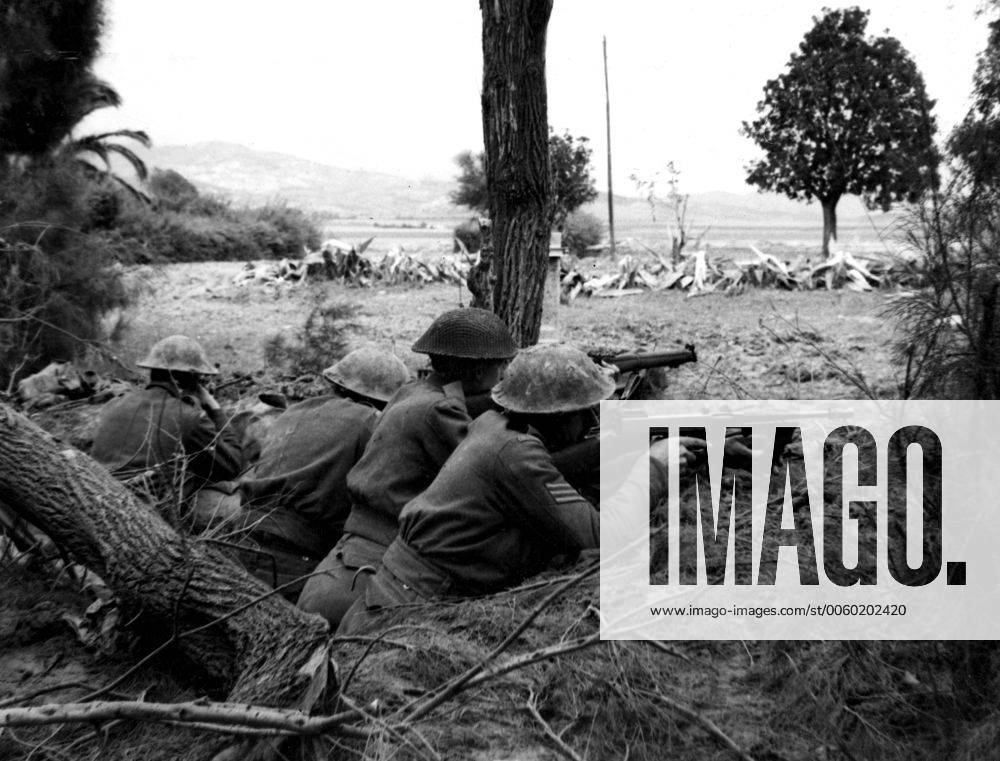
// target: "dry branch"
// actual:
[[702, 721], [222, 717], [532, 706]]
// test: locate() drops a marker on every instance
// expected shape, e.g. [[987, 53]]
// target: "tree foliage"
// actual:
[[471, 190], [976, 141], [572, 183], [850, 115], [47, 48]]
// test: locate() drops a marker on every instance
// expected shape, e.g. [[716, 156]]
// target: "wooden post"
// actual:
[[607, 119]]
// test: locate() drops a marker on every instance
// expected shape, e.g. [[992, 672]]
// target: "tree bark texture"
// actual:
[[176, 582], [516, 136], [829, 223]]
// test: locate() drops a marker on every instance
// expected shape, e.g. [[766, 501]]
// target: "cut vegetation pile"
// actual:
[[698, 273]]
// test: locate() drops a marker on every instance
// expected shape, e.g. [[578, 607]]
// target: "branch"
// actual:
[[222, 717], [705, 723], [561, 746], [552, 651]]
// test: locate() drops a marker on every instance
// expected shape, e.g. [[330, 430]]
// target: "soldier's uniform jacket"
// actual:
[[161, 431], [419, 429], [297, 491], [498, 512]]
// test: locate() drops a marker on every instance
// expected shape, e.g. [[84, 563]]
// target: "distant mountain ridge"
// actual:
[[256, 177]]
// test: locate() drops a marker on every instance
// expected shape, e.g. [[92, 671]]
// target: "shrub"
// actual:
[[319, 343], [294, 228], [55, 281], [187, 226], [581, 231], [171, 189], [949, 331]]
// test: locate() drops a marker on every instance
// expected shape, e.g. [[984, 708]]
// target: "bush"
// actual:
[[580, 231], [320, 342], [171, 189], [55, 281], [221, 234], [949, 331]]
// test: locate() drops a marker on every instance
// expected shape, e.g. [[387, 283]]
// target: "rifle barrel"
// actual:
[[644, 361]]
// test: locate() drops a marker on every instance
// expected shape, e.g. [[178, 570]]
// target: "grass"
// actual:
[[778, 701], [738, 356]]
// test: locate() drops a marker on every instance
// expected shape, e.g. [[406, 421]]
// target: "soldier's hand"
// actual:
[[690, 450], [738, 453], [206, 399]]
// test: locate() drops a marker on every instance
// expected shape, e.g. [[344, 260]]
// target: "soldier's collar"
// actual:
[[454, 390]]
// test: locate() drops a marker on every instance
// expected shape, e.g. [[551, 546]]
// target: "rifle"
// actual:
[[632, 366], [640, 360]]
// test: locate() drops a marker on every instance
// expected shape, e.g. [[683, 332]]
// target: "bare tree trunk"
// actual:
[[177, 582], [515, 132], [829, 223]]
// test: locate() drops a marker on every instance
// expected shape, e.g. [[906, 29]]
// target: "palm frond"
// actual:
[[141, 171], [137, 193]]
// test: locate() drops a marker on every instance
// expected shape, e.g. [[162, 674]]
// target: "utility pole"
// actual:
[[607, 118]]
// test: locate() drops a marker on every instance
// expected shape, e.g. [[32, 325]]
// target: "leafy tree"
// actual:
[[976, 141], [56, 276], [850, 115], [47, 48], [569, 162], [471, 191], [572, 185]]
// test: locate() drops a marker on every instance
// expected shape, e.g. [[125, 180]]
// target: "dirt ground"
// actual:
[[761, 344]]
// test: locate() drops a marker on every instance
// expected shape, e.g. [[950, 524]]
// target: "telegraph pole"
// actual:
[[607, 118]]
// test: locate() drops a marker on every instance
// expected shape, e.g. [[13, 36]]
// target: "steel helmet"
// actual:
[[180, 354], [544, 380], [469, 334], [370, 372]]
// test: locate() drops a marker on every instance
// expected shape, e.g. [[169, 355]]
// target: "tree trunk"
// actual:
[[515, 132], [829, 223], [177, 582]]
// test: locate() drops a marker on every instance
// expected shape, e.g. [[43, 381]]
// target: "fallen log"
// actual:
[[253, 644]]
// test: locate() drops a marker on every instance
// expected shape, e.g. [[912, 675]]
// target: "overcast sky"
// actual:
[[393, 85]]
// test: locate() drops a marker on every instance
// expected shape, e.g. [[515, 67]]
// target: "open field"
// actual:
[[873, 237], [746, 344]]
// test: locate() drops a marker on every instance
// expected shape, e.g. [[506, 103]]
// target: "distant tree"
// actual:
[[849, 116], [572, 184], [471, 191], [569, 162], [515, 128], [976, 141], [581, 231]]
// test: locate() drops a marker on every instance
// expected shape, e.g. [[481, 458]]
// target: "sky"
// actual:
[[394, 85]]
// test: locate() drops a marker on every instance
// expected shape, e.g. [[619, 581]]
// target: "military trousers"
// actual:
[[342, 577]]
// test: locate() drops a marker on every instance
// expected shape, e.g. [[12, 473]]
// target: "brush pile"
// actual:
[[698, 274], [349, 265]]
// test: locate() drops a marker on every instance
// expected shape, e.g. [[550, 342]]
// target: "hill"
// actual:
[[259, 176]]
